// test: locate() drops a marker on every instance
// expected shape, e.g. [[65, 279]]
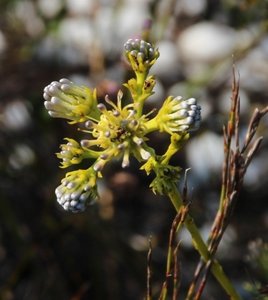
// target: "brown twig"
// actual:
[[149, 272], [235, 165], [172, 267], [176, 275], [203, 281]]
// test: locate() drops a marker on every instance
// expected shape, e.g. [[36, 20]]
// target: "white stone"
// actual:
[[130, 19], [205, 155], [3, 43], [50, 9], [257, 171], [105, 30], [21, 157], [138, 242], [224, 102], [190, 7], [80, 7], [206, 42], [48, 48], [158, 97], [77, 31], [253, 69], [77, 36], [16, 115], [167, 65], [185, 238], [26, 12]]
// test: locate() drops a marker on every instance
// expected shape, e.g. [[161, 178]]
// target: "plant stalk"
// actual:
[[201, 247]]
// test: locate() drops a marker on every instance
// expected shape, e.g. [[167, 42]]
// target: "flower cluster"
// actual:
[[140, 54], [66, 100], [179, 115], [117, 131], [71, 153], [77, 190]]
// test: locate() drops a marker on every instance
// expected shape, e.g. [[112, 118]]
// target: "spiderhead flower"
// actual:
[[119, 133], [66, 100], [73, 153], [77, 190], [140, 54], [178, 115], [113, 130]]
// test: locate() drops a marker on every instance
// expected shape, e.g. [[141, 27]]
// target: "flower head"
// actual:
[[140, 54], [66, 100], [178, 115], [119, 133], [71, 153], [77, 190], [113, 130]]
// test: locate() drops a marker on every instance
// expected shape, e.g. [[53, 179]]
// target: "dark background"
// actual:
[[47, 253]]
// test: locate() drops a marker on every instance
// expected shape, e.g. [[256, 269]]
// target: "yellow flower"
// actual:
[[177, 116], [73, 153], [118, 133]]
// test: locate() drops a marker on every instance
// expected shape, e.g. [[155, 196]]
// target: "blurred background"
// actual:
[[47, 253]]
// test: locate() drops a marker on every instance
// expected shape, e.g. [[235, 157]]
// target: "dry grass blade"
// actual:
[[197, 274], [149, 272], [254, 148], [253, 126], [172, 267], [235, 164], [203, 281], [176, 273]]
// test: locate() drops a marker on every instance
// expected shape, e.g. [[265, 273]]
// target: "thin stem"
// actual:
[[149, 272], [139, 97], [201, 247], [172, 264], [176, 279]]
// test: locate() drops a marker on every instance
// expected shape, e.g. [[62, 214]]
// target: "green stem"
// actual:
[[176, 142], [151, 125], [201, 247], [139, 99]]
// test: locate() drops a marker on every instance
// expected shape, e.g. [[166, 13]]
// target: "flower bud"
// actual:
[[71, 153], [64, 99], [178, 115], [140, 54], [77, 190]]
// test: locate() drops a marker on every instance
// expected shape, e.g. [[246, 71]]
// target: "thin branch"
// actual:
[[194, 282], [176, 275], [171, 260], [203, 281], [235, 164], [149, 272]]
